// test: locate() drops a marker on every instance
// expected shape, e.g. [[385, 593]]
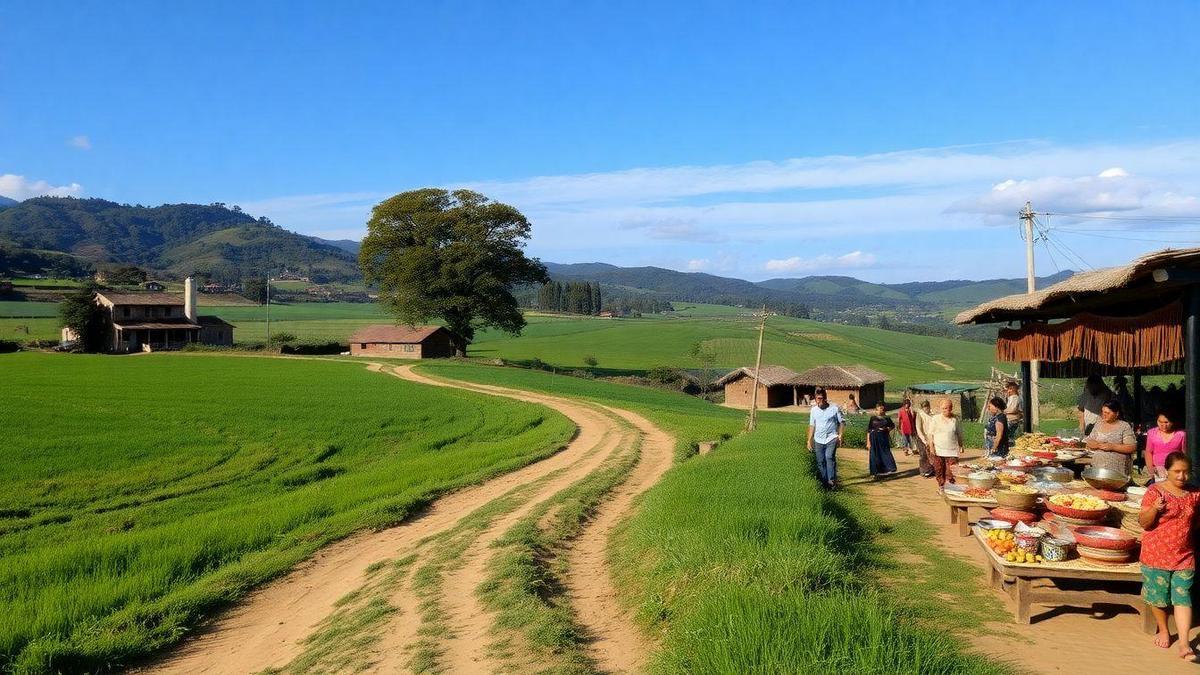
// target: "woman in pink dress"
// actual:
[[1160, 442]]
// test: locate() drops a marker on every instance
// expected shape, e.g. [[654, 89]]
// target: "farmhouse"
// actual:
[[779, 386], [775, 387], [153, 321], [404, 342], [842, 382]]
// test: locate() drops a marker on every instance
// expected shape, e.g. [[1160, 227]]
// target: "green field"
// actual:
[[619, 346], [141, 492], [741, 563]]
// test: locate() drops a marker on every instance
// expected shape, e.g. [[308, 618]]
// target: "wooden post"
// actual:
[[752, 421], [1026, 392], [1191, 370]]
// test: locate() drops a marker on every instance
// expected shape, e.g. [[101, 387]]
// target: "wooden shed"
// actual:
[[403, 342], [840, 382], [775, 387], [961, 394]]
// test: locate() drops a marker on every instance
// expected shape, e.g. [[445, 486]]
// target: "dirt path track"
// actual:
[[268, 628]]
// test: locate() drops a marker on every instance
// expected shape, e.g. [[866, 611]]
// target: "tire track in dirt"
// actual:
[[268, 628]]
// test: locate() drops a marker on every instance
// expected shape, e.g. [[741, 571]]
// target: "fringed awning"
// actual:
[[1144, 341]]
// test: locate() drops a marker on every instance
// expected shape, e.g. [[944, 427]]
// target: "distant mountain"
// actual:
[[348, 245], [954, 293], [6, 202], [832, 293], [671, 285], [178, 239]]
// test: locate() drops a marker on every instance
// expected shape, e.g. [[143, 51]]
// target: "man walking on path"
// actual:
[[825, 425]]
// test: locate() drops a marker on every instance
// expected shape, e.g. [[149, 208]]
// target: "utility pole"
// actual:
[[1033, 404], [752, 421], [268, 309]]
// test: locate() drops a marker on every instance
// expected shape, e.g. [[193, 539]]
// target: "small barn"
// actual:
[[775, 387], [403, 342], [215, 331], [962, 395], [841, 382]]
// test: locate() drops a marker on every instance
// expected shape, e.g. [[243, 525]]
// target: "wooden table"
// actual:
[[1090, 583], [958, 510]]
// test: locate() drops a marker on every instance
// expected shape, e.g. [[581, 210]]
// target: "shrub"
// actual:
[[282, 338], [590, 361]]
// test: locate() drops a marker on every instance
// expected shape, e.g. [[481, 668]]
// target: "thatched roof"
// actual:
[[839, 377], [768, 375], [383, 333], [1089, 290]]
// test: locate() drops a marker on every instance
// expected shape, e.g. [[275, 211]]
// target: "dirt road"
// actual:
[[404, 599]]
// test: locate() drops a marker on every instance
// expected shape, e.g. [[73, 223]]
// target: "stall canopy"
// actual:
[[1142, 318]]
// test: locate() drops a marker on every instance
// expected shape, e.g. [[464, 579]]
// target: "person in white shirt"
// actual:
[[1014, 407], [945, 436], [825, 426]]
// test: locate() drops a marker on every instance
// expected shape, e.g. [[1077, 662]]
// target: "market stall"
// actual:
[[1139, 319]]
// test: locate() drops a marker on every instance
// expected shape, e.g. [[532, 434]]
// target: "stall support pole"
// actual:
[[1191, 369], [1026, 391]]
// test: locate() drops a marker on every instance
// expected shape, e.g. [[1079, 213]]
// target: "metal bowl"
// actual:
[[1105, 479], [1052, 474]]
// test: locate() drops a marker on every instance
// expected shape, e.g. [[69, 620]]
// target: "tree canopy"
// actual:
[[449, 255]]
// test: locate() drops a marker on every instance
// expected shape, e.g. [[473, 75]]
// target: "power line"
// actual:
[[1136, 219], [1107, 236]]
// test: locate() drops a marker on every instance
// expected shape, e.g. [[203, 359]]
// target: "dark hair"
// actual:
[[1113, 405], [1168, 413], [997, 401], [1011, 384], [1177, 456], [819, 391], [881, 403]]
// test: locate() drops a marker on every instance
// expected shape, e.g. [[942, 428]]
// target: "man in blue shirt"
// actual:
[[825, 425]]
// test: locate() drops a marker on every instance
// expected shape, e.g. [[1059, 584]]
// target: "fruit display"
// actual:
[[1022, 490], [977, 493], [1004, 543]]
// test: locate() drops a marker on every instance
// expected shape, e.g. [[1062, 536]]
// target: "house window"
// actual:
[[410, 348], [125, 312], [362, 345]]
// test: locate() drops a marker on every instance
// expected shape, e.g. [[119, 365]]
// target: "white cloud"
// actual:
[[21, 188], [81, 142], [823, 263], [759, 210], [1112, 190], [698, 264]]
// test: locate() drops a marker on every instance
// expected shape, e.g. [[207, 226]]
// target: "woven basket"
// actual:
[[1014, 500]]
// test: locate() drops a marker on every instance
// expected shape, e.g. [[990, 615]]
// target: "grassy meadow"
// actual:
[[740, 563], [141, 492]]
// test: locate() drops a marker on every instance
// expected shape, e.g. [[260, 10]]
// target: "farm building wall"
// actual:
[[219, 335], [866, 396], [739, 392], [387, 349]]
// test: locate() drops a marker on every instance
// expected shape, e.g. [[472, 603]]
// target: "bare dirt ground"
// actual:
[[1059, 640], [274, 627]]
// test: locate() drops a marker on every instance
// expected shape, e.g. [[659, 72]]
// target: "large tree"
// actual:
[[449, 255]]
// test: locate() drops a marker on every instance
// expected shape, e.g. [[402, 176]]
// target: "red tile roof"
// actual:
[[142, 298], [394, 334]]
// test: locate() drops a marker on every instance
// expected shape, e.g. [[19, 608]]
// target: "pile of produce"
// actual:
[[1003, 542], [977, 493], [1022, 490], [1014, 477], [1080, 502], [1037, 441]]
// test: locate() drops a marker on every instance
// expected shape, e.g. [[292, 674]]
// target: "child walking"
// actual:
[[1168, 560]]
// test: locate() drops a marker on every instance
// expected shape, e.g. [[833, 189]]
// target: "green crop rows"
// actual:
[[141, 492]]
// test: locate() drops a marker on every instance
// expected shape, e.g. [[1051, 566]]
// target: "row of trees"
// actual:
[[576, 297]]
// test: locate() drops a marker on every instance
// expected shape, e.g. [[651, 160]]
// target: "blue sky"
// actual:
[[888, 141]]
